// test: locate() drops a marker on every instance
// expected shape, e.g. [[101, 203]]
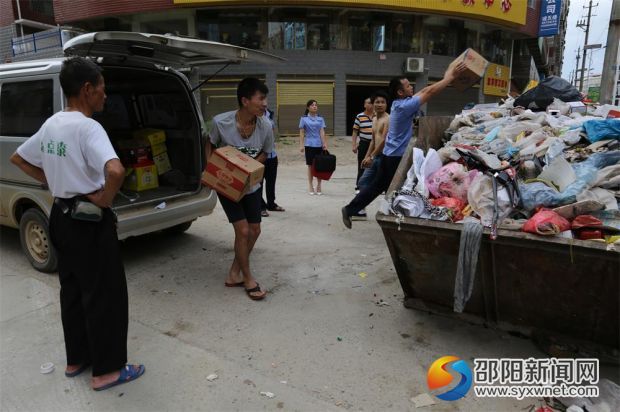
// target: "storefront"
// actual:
[[334, 54]]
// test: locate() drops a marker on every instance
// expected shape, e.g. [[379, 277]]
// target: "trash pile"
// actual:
[[550, 170]]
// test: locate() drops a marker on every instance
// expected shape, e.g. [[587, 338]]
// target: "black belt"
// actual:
[[65, 204], [365, 140]]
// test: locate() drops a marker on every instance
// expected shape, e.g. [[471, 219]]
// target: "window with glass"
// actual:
[[495, 47], [24, 106], [239, 27]]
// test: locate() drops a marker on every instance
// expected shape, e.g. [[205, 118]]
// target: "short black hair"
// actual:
[[396, 85], [77, 71], [248, 88], [379, 93]]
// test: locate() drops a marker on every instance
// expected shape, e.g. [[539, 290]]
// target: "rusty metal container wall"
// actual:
[[564, 287]]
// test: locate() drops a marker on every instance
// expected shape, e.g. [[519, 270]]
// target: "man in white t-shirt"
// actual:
[[250, 132], [72, 154]]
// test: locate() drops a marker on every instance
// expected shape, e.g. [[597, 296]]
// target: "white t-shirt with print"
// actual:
[[72, 150]]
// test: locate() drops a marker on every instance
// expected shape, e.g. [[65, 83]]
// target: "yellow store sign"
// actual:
[[497, 11], [496, 80]]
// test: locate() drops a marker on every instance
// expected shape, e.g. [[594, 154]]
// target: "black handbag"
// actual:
[[324, 162]]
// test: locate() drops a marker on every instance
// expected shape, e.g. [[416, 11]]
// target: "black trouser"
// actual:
[[93, 290], [381, 182], [362, 149], [269, 182]]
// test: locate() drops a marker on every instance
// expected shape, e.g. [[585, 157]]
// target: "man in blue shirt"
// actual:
[[404, 107]]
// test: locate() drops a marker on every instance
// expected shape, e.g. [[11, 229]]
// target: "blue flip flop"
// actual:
[[128, 374], [77, 371]]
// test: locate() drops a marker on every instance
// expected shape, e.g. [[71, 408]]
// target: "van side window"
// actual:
[[25, 106]]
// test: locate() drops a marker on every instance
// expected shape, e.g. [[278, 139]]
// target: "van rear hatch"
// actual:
[[150, 115]]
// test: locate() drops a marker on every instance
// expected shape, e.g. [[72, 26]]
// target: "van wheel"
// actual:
[[34, 235], [180, 228]]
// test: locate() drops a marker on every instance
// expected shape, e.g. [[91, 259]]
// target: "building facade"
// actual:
[[337, 52]]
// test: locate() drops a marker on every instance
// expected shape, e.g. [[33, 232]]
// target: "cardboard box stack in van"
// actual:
[[476, 66], [141, 177], [232, 173], [157, 141]]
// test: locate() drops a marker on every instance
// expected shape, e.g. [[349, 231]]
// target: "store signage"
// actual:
[[549, 18], [496, 80], [497, 11]]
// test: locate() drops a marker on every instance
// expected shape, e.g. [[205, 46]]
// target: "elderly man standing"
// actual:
[[72, 154]]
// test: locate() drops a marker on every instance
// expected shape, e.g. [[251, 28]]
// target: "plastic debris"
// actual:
[[362, 275], [47, 367], [212, 377], [270, 395], [546, 222], [160, 206]]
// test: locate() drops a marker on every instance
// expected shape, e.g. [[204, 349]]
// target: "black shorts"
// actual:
[[311, 152], [248, 208]]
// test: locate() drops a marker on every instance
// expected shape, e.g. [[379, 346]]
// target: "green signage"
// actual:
[[594, 93]]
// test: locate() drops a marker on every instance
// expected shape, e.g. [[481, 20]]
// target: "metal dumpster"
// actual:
[[562, 288]]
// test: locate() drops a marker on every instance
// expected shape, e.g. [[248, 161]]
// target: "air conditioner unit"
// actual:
[[414, 65]]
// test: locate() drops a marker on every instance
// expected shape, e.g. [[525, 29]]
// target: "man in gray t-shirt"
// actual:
[[248, 131], [225, 132]]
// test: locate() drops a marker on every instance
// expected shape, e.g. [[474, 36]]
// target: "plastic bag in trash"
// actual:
[[546, 222], [454, 206], [452, 180], [538, 194], [480, 198], [604, 109], [602, 129], [559, 105], [421, 167], [542, 95]]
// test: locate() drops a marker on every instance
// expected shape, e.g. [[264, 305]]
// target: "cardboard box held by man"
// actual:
[[231, 173], [476, 67]]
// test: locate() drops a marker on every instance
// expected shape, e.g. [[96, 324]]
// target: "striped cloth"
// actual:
[[363, 125]]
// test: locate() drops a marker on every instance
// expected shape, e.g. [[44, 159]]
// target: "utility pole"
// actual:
[[610, 64], [577, 65], [581, 24]]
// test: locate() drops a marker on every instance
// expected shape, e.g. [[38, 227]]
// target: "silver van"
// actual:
[[145, 90]]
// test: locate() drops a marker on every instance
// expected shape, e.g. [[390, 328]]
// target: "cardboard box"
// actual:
[[476, 67], [141, 178], [577, 107], [162, 162], [232, 173], [158, 148], [153, 136]]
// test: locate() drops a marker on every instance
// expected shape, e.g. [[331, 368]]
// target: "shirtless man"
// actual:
[[380, 126], [370, 163]]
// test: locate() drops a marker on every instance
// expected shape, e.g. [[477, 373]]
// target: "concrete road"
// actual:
[[319, 342]]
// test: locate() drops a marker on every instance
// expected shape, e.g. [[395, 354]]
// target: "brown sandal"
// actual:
[[253, 290]]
